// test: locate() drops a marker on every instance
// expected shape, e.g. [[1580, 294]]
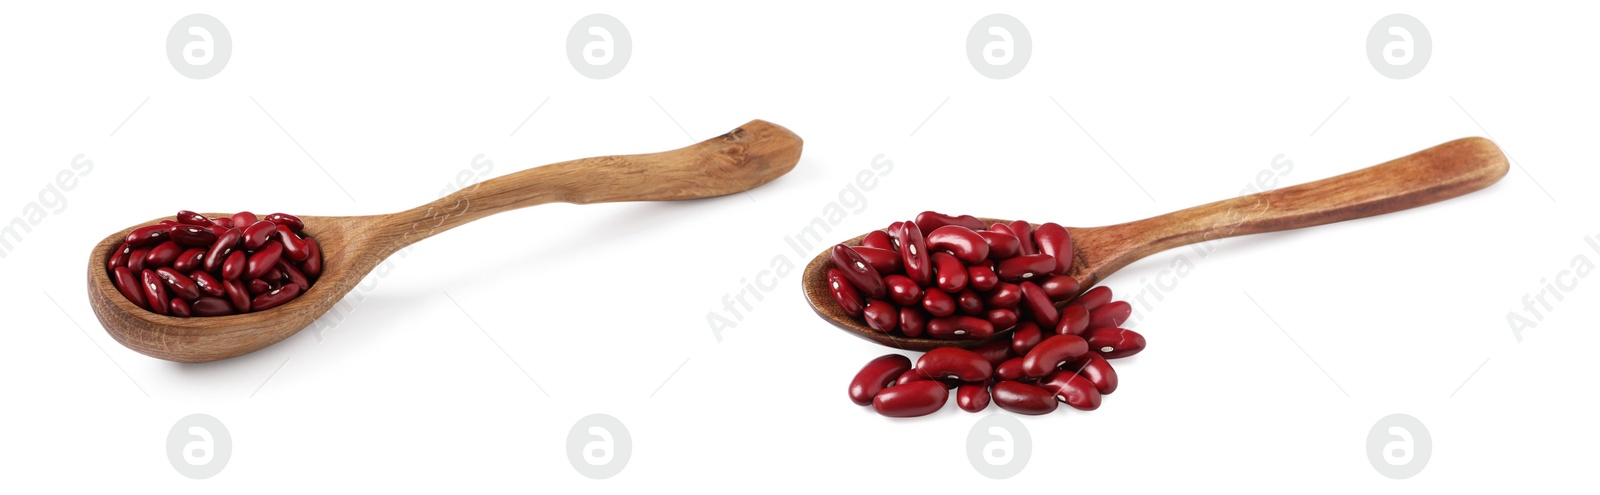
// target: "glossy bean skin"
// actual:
[[969, 303], [1025, 267], [287, 220], [238, 295], [954, 363], [938, 303], [913, 321], [1011, 370], [154, 292], [1074, 320], [1111, 314], [903, 290], [875, 376], [951, 274], [1025, 337], [211, 306], [961, 242], [1005, 296], [180, 285], [1059, 287], [233, 266], [136, 260], [1038, 306], [1115, 342], [1001, 318], [219, 251], [189, 260], [193, 235], [882, 260], [1046, 357], [1054, 240], [878, 239], [129, 286], [243, 219], [275, 297], [858, 272], [119, 257], [294, 275], [972, 397], [295, 248], [1073, 389], [149, 236], [929, 221], [881, 315], [911, 375], [178, 308], [313, 264], [1097, 370], [187, 217], [1002, 245], [217, 230], [850, 300], [257, 234], [918, 398], [1024, 232], [257, 286], [263, 260], [913, 252], [225, 223], [1022, 398], [207, 283], [960, 328], [1094, 298], [981, 278], [163, 255], [994, 352]]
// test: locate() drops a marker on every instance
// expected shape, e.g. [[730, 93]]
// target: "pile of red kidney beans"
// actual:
[[198, 266], [953, 278]]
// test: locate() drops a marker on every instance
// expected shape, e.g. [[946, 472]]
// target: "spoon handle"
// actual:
[[1425, 177]]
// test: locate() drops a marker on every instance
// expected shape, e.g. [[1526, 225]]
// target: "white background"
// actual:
[[464, 367]]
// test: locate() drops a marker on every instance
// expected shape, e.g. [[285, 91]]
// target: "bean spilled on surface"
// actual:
[[198, 266]]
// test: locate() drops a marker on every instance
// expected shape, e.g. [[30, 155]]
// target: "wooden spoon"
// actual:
[[1428, 176], [752, 155]]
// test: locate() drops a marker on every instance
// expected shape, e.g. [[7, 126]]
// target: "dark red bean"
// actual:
[[1074, 320], [884, 261], [180, 284], [263, 260], [1010, 369], [295, 248], [193, 235], [217, 230], [275, 297], [1094, 298], [881, 315], [1002, 245], [1059, 287], [243, 219], [858, 271], [849, 299], [911, 375], [189, 260], [1024, 232], [219, 251], [293, 274], [913, 321], [119, 257], [928, 221], [1001, 318], [894, 235], [187, 217], [136, 260], [292, 222], [1055, 241], [952, 275], [149, 236], [981, 278], [258, 286], [960, 328], [178, 308], [233, 266], [994, 352], [238, 295], [878, 239], [938, 303], [1022, 398], [1025, 267], [225, 223], [1097, 370], [169, 223], [972, 397], [257, 234], [1115, 342], [208, 283], [129, 286], [954, 363], [211, 306], [154, 292], [312, 267], [1046, 357], [163, 255], [970, 303], [875, 376], [913, 253], [1005, 296], [1025, 337], [1038, 306], [1112, 314], [918, 398], [1072, 389], [962, 242], [903, 290]]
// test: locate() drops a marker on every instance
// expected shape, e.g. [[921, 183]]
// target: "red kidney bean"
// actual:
[[149, 236], [1005, 296], [178, 308], [1049, 354], [225, 223], [207, 283], [1074, 320], [275, 297], [1112, 314], [928, 221], [1024, 232], [1002, 245], [191, 218], [903, 290], [913, 252], [963, 243], [219, 251], [238, 295], [211, 306], [849, 299], [881, 315], [954, 363], [972, 397], [287, 220], [969, 303], [1115, 342], [1072, 389], [296, 250], [913, 320], [1025, 337], [1097, 370], [136, 260], [960, 328], [1010, 369], [878, 239], [129, 286], [119, 257], [938, 303], [1022, 398], [193, 235], [981, 278], [1001, 318], [154, 293], [1094, 298], [233, 266], [1038, 306], [163, 255], [918, 398], [294, 275], [169, 223], [875, 376], [263, 260], [217, 230], [1025, 267], [313, 264], [258, 233], [883, 261], [858, 272], [181, 285], [189, 260], [911, 375], [1054, 240], [952, 275], [995, 352], [243, 219], [258, 286], [1059, 287]]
